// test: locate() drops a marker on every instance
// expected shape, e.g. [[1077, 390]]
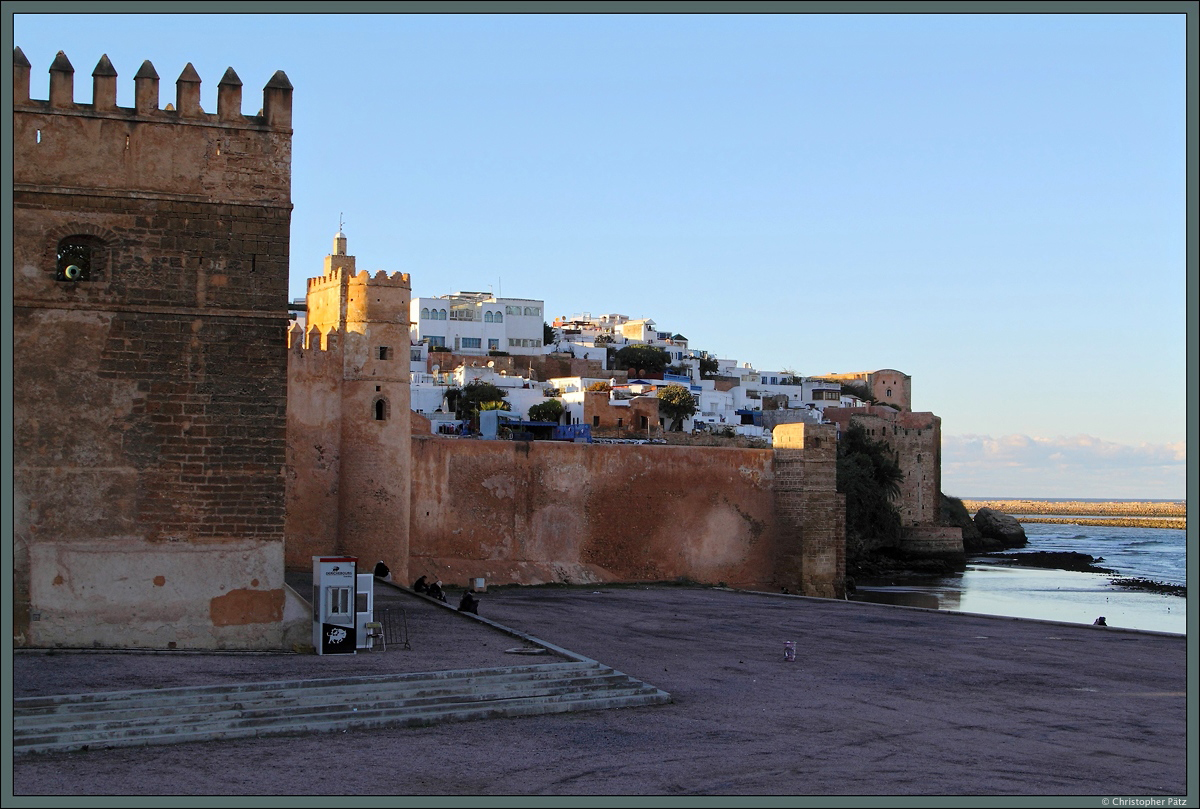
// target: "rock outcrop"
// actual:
[[1056, 560], [953, 512], [997, 531]]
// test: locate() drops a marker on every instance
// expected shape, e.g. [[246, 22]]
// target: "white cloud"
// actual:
[[1080, 466]]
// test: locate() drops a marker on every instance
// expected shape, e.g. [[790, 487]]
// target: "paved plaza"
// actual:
[[880, 701]]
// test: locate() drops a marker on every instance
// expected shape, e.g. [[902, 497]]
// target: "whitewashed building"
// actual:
[[478, 322]]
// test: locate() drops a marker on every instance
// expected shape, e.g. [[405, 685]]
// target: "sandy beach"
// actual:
[[1115, 508], [1082, 512]]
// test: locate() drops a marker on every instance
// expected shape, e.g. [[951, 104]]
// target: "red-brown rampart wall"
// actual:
[[533, 512]]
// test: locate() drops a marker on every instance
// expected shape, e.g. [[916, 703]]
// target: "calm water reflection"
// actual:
[[1055, 595]]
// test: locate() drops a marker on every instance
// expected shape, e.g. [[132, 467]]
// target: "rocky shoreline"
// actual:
[[892, 565], [1152, 586], [1054, 560], [987, 530], [892, 568], [1086, 563]]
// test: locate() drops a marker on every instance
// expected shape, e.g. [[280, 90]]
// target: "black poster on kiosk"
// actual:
[[337, 639]]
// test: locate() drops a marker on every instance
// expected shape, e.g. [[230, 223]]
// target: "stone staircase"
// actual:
[[203, 713]]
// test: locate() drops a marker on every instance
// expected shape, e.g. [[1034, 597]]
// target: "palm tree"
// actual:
[[870, 477]]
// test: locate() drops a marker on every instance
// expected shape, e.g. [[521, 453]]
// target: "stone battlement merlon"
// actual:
[[313, 340], [381, 278], [182, 154], [276, 112]]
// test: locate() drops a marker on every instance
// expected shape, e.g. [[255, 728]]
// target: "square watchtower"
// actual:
[[150, 279]]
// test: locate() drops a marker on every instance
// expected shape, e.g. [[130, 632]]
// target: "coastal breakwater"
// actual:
[[1171, 514]]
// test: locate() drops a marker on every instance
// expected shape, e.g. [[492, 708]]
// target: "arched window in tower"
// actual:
[[487, 317], [441, 314], [499, 317], [79, 258], [425, 313], [381, 409]]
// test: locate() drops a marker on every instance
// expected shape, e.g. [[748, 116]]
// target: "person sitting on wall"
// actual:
[[436, 591], [469, 603], [382, 571], [420, 585]]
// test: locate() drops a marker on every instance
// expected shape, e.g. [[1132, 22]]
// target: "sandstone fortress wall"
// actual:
[[150, 396], [360, 482], [534, 512]]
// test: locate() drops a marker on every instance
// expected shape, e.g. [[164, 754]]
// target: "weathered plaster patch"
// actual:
[[720, 543], [751, 475], [238, 607], [499, 485]]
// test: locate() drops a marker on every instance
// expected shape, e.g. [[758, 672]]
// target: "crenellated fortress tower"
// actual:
[[150, 257], [349, 424]]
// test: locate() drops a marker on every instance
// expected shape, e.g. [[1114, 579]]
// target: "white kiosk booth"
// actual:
[[335, 604]]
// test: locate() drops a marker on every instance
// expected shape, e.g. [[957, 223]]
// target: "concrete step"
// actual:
[[314, 700], [249, 710], [170, 715], [412, 685]]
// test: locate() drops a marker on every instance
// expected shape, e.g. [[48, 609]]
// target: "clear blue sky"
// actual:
[[994, 204]]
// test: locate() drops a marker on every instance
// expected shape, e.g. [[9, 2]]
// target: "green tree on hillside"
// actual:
[[677, 404], [549, 410], [645, 358], [476, 396]]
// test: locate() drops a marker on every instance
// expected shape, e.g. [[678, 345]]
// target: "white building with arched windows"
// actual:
[[478, 322]]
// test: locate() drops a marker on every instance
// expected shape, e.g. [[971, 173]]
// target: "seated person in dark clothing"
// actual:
[[381, 570], [469, 603], [420, 585], [435, 591]]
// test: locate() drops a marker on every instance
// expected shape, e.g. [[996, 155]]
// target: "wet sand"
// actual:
[[991, 588]]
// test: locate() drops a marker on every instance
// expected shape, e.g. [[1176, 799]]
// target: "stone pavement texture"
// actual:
[[880, 701]]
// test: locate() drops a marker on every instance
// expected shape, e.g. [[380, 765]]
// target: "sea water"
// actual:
[[994, 587]]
